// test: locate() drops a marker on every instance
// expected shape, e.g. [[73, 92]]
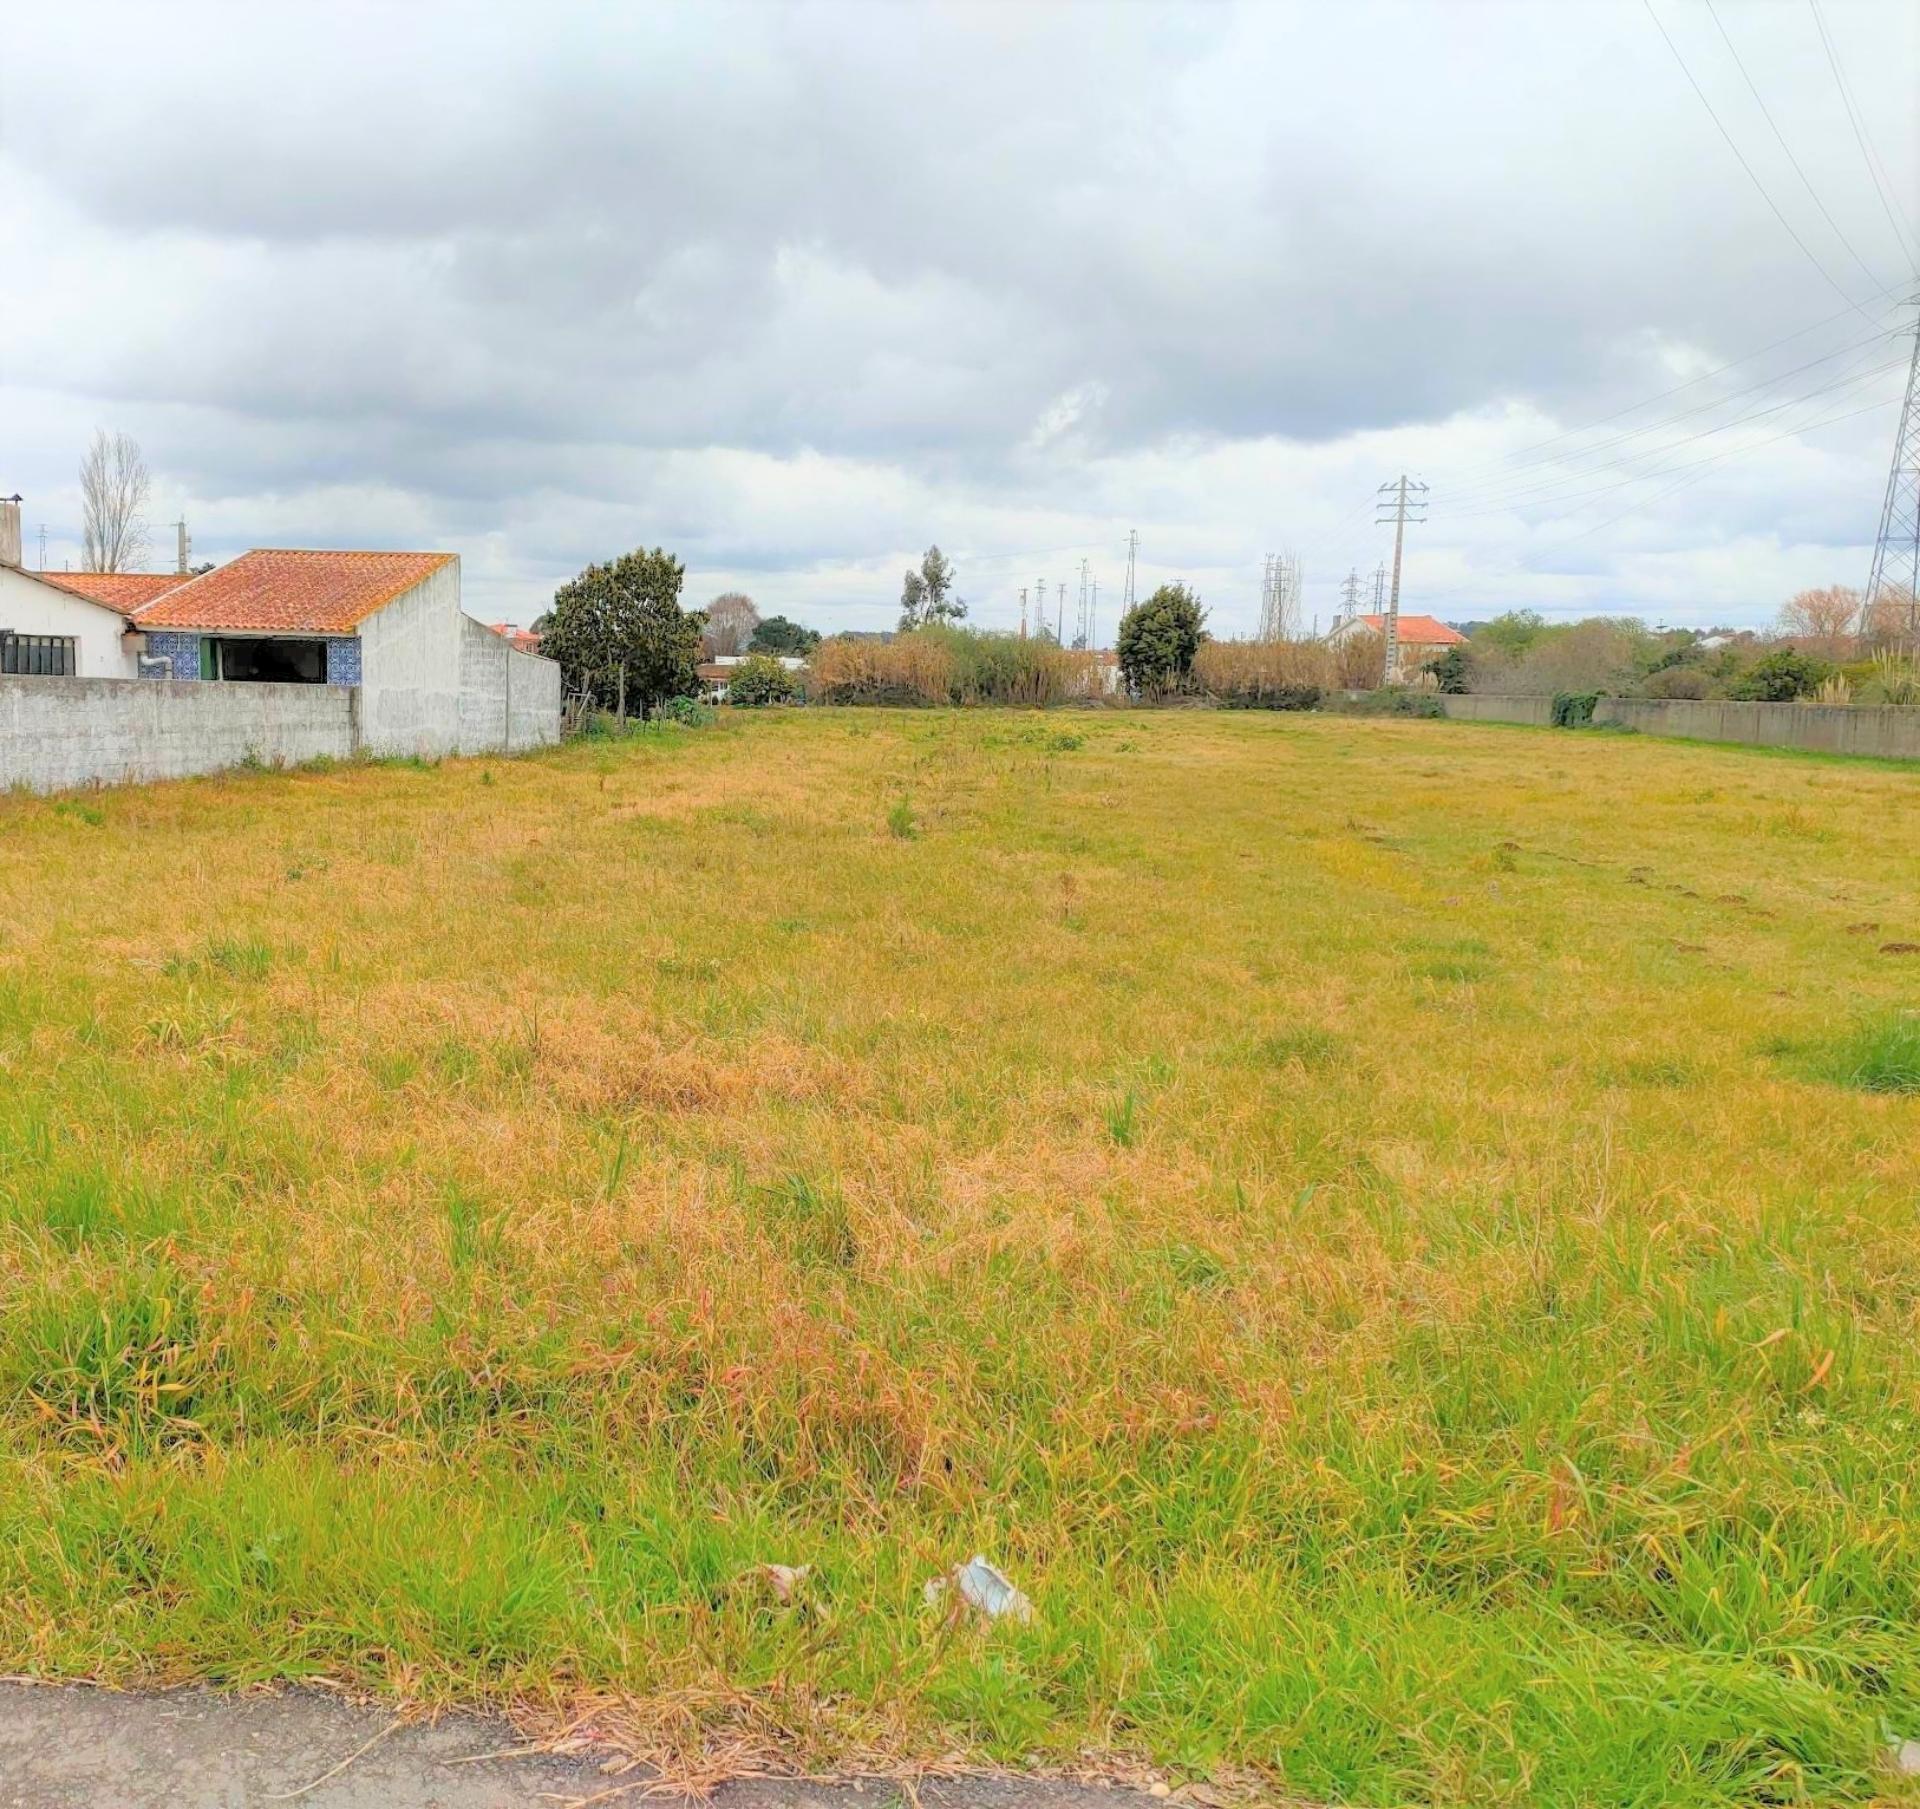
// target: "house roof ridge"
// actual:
[[293, 590]]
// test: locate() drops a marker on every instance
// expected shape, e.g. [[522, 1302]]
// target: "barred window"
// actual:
[[37, 655]]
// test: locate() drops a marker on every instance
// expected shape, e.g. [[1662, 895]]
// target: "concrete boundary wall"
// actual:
[[508, 700], [58, 733], [1889, 732], [1475, 708]]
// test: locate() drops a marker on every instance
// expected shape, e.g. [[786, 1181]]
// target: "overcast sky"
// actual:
[[793, 290]]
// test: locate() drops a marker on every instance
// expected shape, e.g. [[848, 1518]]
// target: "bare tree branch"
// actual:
[[113, 494], [731, 620]]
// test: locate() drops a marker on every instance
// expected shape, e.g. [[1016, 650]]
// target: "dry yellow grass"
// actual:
[[1353, 1215]]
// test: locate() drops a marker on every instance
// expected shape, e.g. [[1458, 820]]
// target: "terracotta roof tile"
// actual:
[[121, 592], [275, 590], [1423, 631]]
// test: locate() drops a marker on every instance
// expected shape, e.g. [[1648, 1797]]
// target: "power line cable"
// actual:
[[1677, 389], [1752, 176], [1530, 484], [1495, 478], [1766, 113], [1693, 475], [1529, 500], [1876, 171]]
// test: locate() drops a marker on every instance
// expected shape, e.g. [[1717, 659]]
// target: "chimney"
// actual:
[[9, 530]]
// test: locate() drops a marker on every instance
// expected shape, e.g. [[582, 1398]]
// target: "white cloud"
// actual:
[[796, 290]]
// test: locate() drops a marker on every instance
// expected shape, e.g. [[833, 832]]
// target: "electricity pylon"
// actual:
[[1893, 591]]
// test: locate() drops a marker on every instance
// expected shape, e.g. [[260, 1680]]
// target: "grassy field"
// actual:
[[1399, 1236]]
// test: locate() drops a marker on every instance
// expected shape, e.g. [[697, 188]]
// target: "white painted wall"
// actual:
[[29, 607]]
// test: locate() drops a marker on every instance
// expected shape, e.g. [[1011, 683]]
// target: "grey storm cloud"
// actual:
[[562, 272]]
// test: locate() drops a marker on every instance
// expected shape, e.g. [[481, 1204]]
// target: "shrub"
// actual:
[[761, 679], [1677, 682], [1009, 669], [909, 669], [1265, 675], [1574, 709], [1780, 677], [1453, 671], [688, 712], [1891, 679], [947, 665]]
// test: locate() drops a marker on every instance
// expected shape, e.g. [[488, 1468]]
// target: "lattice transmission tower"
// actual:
[[1892, 606], [1349, 596], [1280, 597]]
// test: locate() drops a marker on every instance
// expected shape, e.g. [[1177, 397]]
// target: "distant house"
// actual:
[[716, 674], [1422, 638], [521, 640]]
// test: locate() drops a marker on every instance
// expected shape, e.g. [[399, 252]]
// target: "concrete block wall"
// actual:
[[1476, 708], [508, 700], [1890, 732], [58, 733], [410, 670]]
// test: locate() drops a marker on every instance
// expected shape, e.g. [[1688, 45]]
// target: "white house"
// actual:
[[1421, 638], [73, 624], [137, 661]]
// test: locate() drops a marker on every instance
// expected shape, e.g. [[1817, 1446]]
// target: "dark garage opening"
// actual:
[[274, 662]]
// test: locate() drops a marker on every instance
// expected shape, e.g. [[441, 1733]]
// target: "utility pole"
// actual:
[[1379, 590], [180, 542], [43, 546], [1894, 587], [1060, 612], [1128, 600], [1023, 612], [1093, 616], [1404, 495]]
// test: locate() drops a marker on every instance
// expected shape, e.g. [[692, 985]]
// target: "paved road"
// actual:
[[191, 1749]]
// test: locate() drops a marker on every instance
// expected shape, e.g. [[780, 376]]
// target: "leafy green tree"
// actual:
[[778, 635], [1159, 637], [1780, 677], [1513, 633], [926, 595], [620, 634], [761, 679]]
